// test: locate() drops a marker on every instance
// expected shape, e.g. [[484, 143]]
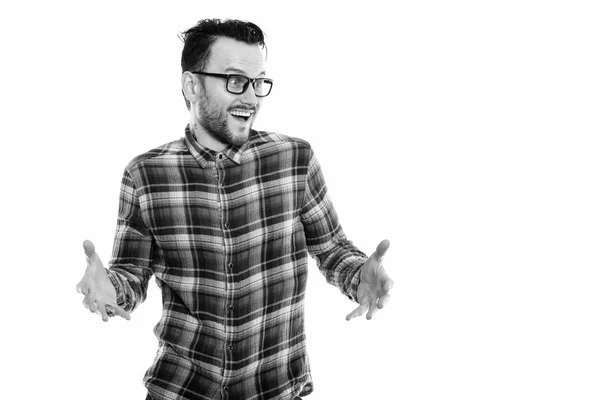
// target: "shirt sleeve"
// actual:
[[130, 265], [337, 258]]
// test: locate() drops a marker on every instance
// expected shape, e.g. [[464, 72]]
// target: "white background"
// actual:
[[466, 132]]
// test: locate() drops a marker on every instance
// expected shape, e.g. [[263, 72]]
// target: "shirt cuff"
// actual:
[[354, 282], [115, 282]]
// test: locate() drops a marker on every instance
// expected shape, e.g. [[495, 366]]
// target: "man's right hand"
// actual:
[[97, 289]]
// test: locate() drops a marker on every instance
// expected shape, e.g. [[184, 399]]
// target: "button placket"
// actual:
[[221, 192]]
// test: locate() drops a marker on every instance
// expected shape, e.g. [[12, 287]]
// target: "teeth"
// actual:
[[241, 113]]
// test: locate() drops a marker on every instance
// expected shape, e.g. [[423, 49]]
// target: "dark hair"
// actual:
[[198, 40]]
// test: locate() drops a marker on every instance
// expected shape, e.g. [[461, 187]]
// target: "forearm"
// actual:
[[340, 261]]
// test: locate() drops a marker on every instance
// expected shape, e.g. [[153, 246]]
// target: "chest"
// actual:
[[188, 203]]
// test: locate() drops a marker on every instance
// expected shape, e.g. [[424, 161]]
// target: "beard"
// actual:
[[214, 120]]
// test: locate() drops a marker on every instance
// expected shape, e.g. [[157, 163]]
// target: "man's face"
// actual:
[[216, 107]]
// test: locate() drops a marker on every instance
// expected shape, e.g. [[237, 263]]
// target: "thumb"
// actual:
[[381, 249], [89, 248], [90, 252]]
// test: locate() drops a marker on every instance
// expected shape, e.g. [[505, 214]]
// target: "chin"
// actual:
[[240, 137]]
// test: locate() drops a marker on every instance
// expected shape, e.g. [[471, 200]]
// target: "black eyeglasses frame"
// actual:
[[228, 76]]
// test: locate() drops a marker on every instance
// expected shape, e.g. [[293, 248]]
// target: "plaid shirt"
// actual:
[[226, 236]]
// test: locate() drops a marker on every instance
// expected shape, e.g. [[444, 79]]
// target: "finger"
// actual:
[[102, 311], [383, 300], [92, 306], [372, 310], [85, 303], [360, 310], [381, 249], [119, 311], [388, 285], [82, 288]]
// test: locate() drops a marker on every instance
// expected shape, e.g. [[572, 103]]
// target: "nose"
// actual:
[[249, 96]]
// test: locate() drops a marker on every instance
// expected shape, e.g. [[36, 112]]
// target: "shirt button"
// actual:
[[220, 156], [230, 265], [226, 224], [230, 307], [225, 388], [230, 347]]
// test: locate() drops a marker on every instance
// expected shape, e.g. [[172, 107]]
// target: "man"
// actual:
[[224, 218]]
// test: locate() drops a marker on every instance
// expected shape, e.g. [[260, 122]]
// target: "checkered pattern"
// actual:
[[227, 237]]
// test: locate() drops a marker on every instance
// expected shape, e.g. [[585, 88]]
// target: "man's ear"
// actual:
[[189, 86]]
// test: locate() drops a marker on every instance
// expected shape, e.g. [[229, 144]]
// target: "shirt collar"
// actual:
[[203, 154]]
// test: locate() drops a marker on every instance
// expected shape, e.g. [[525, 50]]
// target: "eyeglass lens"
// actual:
[[237, 84]]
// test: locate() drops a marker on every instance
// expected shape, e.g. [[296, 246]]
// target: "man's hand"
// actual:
[[99, 293], [375, 284]]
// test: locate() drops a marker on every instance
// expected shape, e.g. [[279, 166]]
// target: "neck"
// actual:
[[204, 138]]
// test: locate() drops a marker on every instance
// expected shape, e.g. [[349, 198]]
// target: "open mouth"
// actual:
[[242, 115]]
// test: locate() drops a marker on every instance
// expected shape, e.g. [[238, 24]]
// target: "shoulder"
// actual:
[[159, 154], [265, 139]]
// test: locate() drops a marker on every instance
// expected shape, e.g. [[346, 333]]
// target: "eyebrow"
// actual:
[[239, 71]]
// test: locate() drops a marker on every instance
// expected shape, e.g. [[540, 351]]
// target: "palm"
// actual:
[[371, 287], [375, 284], [98, 282]]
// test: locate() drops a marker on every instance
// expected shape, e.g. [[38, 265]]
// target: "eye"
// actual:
[[237, 81]]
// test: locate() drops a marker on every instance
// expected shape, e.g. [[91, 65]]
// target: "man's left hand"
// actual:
[[375, 284]]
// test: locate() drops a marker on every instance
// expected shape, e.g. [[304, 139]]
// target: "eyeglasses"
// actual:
[[238, 84]]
